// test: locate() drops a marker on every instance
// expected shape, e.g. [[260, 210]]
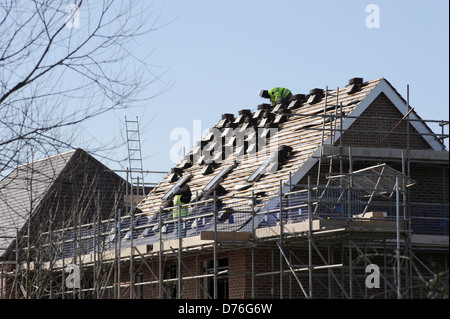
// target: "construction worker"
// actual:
[[181, 196], [275, 94]]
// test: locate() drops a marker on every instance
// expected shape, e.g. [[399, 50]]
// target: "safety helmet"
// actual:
[[264, 94]]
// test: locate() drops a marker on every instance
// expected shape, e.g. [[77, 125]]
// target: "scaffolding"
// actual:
[[307, 218], [318, 237]]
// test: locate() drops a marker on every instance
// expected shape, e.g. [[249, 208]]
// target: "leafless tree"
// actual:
[[64, 62]]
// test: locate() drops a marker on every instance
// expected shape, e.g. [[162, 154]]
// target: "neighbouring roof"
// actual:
[[23, 190], [32, 186]]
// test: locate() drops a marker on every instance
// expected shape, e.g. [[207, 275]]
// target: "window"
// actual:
[[180, 183], [139, 288], [217, 179], [170, 272], [222, 278], [271, 164], [259, 171]]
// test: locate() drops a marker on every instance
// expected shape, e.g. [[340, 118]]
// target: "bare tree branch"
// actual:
[[64, 63]]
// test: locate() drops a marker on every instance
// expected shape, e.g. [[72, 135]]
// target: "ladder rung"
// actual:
[[132, 132]]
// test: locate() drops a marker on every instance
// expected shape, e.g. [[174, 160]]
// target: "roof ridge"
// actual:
[[48, 158]]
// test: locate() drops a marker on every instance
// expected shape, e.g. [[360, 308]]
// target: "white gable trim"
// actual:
[[384, 87]]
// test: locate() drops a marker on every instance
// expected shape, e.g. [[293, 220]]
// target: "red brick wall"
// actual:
[[431, 187], [431, 178], [267, 259], [375, 123]]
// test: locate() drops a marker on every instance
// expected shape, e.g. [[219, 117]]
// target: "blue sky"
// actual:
[[214, 56]]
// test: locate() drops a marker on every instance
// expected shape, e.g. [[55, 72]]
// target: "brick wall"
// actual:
[[431, 187], [372, 128], [429, 197], [324, 286]]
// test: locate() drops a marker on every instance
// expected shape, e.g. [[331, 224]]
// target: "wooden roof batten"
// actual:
[[306, 130], [304, 144]]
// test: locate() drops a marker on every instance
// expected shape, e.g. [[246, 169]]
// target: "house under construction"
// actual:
[[337, 193]]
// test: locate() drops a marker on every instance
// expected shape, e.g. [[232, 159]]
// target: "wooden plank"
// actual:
[[226, 236], [369, 224], [188, 242], [371, 215], [291, 229]]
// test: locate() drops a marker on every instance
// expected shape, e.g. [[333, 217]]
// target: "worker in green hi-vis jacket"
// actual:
[[275, 94], [181, 196]]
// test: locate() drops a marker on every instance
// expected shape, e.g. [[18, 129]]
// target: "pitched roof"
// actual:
[[299, 130], [23, 190], [26, 189], [302, 131]]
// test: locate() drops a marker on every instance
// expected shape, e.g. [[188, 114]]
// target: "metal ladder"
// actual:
[[135, 168]]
